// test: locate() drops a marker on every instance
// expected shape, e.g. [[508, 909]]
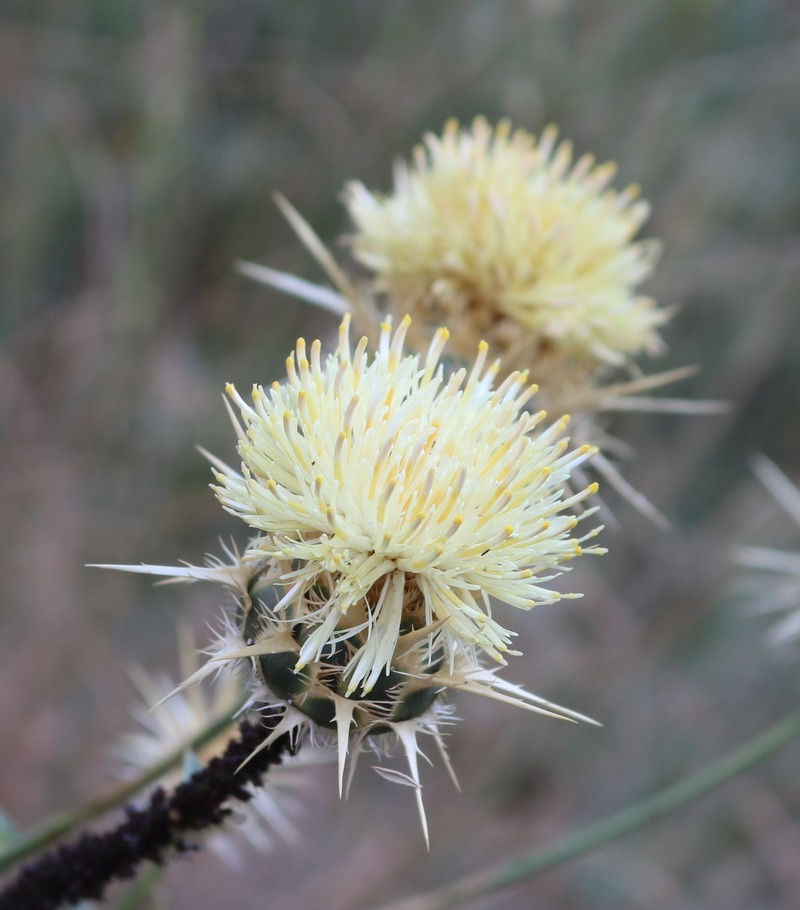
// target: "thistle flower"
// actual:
[[397, 496], [778, 592], [502, 237], [392, 504]]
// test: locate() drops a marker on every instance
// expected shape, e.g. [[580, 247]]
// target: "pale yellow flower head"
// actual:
[[503, 237], [402, 500], [393, 502]]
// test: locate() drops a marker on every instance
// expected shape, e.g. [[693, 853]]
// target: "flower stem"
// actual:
[[62, 823], [84, 868], [633, 817]]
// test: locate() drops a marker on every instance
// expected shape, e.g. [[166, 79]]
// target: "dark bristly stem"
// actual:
[[634, 817], [62, 823], [83, 869]]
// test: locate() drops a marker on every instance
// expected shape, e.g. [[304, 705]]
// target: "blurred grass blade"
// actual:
[[636, 816]]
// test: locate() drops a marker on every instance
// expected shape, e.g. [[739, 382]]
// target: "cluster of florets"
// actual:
[[501, 237], [505, 239], [404, 497], [395, 501]]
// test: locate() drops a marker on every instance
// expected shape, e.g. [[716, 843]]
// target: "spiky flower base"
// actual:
[[262, 639], [407, 691]]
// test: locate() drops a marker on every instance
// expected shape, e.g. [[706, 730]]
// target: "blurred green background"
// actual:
[[141, 145]]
